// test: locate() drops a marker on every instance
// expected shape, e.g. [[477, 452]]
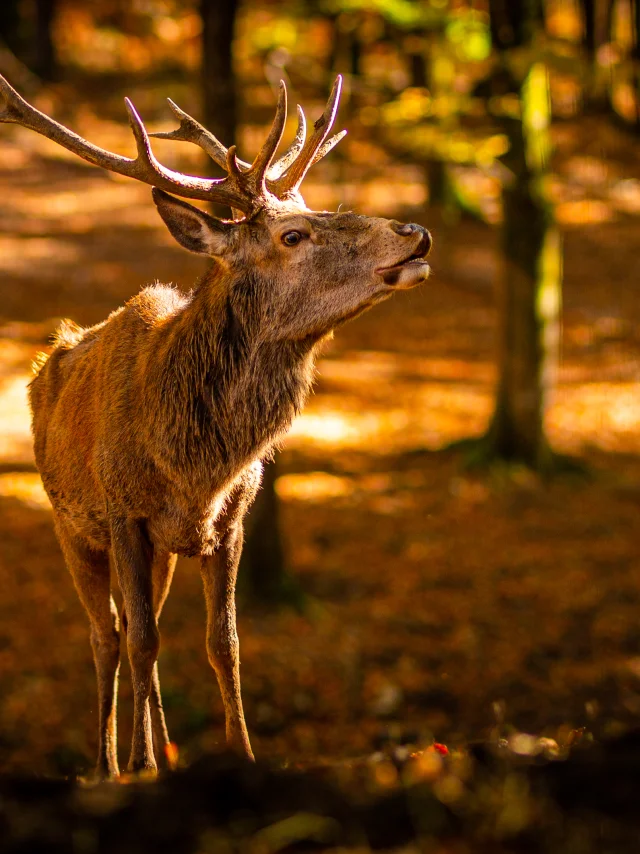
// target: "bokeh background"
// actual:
[[447, 544]]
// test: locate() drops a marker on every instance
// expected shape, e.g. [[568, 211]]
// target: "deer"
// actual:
[[151, 428]]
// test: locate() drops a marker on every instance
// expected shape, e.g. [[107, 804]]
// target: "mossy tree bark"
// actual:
[[529, 299], [529, 281]]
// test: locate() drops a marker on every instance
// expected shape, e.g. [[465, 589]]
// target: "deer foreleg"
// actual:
[[132, 556], [219, 572]]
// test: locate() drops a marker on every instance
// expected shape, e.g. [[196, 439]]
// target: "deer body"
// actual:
[[150, 428], [146, 415]]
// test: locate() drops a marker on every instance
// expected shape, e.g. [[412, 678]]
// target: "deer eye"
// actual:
[[291, 238]]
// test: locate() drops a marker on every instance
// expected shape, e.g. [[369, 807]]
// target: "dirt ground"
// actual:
[[439, 603]]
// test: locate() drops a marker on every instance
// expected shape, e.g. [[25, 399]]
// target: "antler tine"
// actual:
[[191, 130], [145, 158], [231, 165], [291, 180], [326, 147], [145, 167], [266, 154], [282, 163]]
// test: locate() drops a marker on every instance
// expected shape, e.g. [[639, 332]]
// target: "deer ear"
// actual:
[[192, 228]]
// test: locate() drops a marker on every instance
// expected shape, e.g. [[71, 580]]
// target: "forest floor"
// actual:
[[440, 604]]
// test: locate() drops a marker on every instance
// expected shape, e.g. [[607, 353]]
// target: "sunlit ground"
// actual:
[[421, 414], [26, 487]]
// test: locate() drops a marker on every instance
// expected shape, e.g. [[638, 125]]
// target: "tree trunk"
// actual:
[[596, 17], [11, 30], [420, 60], [435, 167], [529, 288], [45, 62], [355, 53], [513, 24], [590, 28], [220, 108], [264, 578], [28, 33], [417, 70], [346, 46], [528, 305]]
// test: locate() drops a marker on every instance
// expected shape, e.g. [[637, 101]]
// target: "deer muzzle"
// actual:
[[413, 269]]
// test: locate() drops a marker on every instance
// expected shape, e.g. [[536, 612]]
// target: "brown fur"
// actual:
[[150, 427]]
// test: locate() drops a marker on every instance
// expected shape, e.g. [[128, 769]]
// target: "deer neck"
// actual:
[[231, 389]]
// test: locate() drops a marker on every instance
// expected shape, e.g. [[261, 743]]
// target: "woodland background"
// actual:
[[449, 566]]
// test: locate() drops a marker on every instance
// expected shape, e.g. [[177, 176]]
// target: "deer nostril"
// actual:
[[405, 230], [408, 229]]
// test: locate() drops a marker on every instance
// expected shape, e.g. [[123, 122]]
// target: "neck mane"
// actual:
[[225, 390]]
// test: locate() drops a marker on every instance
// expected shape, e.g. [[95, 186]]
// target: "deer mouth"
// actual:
[[412, 270]]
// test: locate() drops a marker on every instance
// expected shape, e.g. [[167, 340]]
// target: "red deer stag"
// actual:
[[150, 428]]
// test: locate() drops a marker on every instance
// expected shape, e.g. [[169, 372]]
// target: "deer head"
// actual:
[[305, 272], [309, 270]]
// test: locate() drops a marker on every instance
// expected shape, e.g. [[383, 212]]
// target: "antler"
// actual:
[[246, 188], [284, 177]]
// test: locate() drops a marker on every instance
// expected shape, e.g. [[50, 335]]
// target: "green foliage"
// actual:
[[279, 32], [536, 116], [468, 32], [549, 293], [404, 14]]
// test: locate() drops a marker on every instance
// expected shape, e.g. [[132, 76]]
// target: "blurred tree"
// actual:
[[416, 53], [528, 287], [264, 578], [218, 78], [45, 62], [27, 30], [529, 282], [596, 29], [346, 47], [439, 81], [514, 24], [420, 47], [590, 27], [11, 26]]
